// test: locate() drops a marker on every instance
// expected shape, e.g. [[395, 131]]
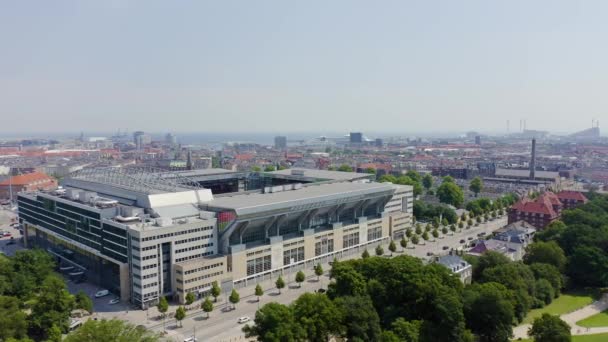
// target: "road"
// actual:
[[222, 325]]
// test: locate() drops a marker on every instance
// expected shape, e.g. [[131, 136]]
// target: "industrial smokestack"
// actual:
[[533, 160]]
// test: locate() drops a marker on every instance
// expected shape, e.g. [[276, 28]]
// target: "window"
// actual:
[[374, 233], [297, 254], [258, 265], [350, 240], [324, 246]]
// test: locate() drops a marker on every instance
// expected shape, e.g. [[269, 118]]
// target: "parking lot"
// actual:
[[10, 241]]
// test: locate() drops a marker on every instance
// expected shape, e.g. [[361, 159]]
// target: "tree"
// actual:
[[365, 254], [427, 181], [163, 305], [450, 193], [258, 291], [207, 305], [52, 307], [418, 229], [318, 271], [370, 170], [588, 266], [403, 243], [444, 230], [275, 322], [317, 315], [392, 247], [407, 331], [545, 252], [280, 283], [415, 239], [234, 298], [215, 291], [345, 168], [489, 311], [113, 330], [414, 175], [360, 319], [444, 222], [13, 322], [256, 168], [409, 232], [549, 273], [54, 334], [549, 328], [448, 179], [425, 236], [476, 185], [543, 292], [435, 233], [83, 301], [300, 277], [379, 250], [489, 260], [190, 298], [270, 168], [180, 314], [453, 227]]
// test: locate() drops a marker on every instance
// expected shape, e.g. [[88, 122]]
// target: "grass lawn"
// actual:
[[582, 338], [598, 320], [567, 302]]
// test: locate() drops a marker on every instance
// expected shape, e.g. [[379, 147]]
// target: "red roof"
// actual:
[[572, 195], [543, 205], [26, 179]]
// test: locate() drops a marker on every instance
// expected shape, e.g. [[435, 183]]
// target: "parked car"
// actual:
[[462, 241], [446, 247], [191, 339], [102, 293], [114, 301], [470, 238], [244, 319], [429, 253], [5, 234], [321, 290]]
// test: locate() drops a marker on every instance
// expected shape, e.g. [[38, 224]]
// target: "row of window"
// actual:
[[258, 265], [261, 251], [203, 277], [374, 233], [162, 236], [194, 256], [151, 285], [204, 268], [194, 248], [152, 275], [295, 254], [350, 240], [324, 246], [194, 239]]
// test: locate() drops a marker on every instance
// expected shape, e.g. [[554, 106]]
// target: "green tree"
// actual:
[[300, 277], [207, 305], [280, 283], [418, 229], [270, 168], [370, 170], [425, 236], [113, 330], [365, 254], [407, 331], [445, 222], [275, 322], [163, 305], [379, 250], [488, 260], [450, 193], [392, 247], [435, 233], [190, 298], [489, 312], [414, 175], [543, 292], [460, 224], [588, 266], [444, 230], [256, 168], [258, 291], [318, 315], [409, 232], [360, 319], [546, 252], [476, 185], [180, 314], [13, 322], [318, 271], [52, 307], [415, 239], [403, 243], [54, 334], [345, 168], [448, 179], [215, 291], [453, 228], [83, 301], [549, 273], [549, 328], [427, 181], [234, 298]]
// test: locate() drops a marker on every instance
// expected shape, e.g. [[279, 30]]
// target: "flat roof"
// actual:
[[204, 172], [307, 196], [526, 173], [321, 174]]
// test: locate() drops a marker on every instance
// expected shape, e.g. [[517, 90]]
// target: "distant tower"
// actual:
[[280, 142], [189, 161], [533, 160]]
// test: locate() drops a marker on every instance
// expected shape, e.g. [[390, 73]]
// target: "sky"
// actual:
[[302, 66]]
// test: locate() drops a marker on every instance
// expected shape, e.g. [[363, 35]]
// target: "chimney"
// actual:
[[533, 160]]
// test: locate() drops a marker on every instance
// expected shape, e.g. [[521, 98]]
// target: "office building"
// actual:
[[356, 138], [280, 142], [146, 234]]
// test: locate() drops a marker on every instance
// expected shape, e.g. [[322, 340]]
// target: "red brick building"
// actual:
[[571, 199], [27, 182], [546, 208]]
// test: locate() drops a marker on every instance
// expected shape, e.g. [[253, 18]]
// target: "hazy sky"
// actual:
[[398, 66]]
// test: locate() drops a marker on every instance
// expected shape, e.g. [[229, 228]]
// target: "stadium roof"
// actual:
[[314, 174], [308, 197]]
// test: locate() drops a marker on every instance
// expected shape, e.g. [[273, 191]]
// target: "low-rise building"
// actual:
[[26, 182], [571, 199], [458, 266]]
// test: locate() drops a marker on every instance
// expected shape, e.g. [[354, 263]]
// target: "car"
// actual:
[[5, 234], [191, 339], [462, 241], [446, 247], [481, 234], [321, 290], [101, 293], [114, 301], [470, 238], [429, 253], [244, 319], [16, 224]]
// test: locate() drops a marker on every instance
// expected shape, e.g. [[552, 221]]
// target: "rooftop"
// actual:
[[526, 173], [301, 173], [244, 204], [26, 179]]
